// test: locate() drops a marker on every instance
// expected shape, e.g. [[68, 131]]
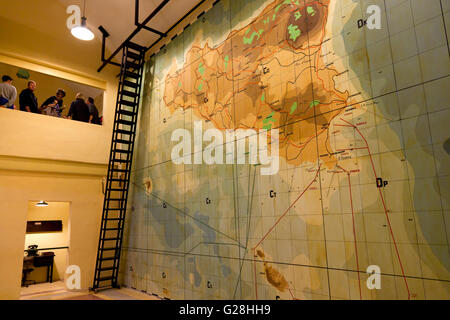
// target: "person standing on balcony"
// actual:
[[27, 100], [53, 106], [79, 110], [94, 118], [8, 93]]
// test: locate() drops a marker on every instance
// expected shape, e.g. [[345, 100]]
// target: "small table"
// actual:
[[46, 260]]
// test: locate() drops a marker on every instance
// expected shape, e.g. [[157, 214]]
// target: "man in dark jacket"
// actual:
[[79, 110], [93, 111], [27, 100]]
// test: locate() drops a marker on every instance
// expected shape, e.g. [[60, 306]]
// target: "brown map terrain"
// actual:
[[273, 276], [270, 74]]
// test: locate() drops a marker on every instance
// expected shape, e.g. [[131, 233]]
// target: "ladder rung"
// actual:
[[124, 132], [128, 103], [117, 180], [108, 259], [126, 113], [133, 75], [111, 229], [135, 46], [106, 269], [105, 278], [119, 170], [120, 161], [114, 219], [108, 249], [110, 239], [122, 141], [125, 122], [116, 199], [117, 189], [115, 209], [133, 65], [121, 151], [130, 84], [133, 55], [129, 94]]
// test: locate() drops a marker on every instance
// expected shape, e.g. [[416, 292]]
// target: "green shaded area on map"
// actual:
[[294, 32], [314, 103], [293, 107], [269, 121]]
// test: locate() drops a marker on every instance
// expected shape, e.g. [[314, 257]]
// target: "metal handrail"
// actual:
[[45, 249]]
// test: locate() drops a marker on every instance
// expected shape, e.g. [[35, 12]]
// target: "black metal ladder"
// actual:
[[119, 168]]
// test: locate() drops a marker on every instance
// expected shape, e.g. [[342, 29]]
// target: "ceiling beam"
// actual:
[[177, 23], [105, 35], [134, 33], [136, 21], [161, 34]]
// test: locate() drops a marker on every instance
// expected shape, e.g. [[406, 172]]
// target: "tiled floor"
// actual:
[[57, 291]]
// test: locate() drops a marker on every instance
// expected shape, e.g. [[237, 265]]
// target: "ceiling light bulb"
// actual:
[[82, 32]]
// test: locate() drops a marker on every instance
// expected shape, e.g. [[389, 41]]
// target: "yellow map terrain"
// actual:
[[237, 85]]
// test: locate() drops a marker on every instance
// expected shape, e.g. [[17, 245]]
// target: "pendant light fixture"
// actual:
[[82, 32], [42, 204]]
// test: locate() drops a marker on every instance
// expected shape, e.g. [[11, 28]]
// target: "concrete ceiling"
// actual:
[[117, 17]]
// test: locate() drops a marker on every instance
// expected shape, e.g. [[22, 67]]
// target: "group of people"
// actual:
[[81, 109]]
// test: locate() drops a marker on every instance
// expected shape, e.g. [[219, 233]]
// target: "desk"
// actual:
[[41, 261]]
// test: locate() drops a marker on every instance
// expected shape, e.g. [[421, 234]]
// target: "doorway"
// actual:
[[46, 250]]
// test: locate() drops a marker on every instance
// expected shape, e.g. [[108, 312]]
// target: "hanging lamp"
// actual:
[[82, 32]]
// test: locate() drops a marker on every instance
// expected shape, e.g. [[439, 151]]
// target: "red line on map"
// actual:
[[341, 125], [384, 206], [354, 230], [293, 297], [276, 223], [354, 236], [287, 210]]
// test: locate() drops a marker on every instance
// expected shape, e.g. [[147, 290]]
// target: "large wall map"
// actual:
[[364, 149]]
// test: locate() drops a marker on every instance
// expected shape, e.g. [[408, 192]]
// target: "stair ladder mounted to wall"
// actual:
[[119, 168]]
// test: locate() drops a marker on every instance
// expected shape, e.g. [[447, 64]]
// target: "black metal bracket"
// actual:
[[143, 25], [138, 24], [179, 21], [155, 31], [105, 35], [134, 33]]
